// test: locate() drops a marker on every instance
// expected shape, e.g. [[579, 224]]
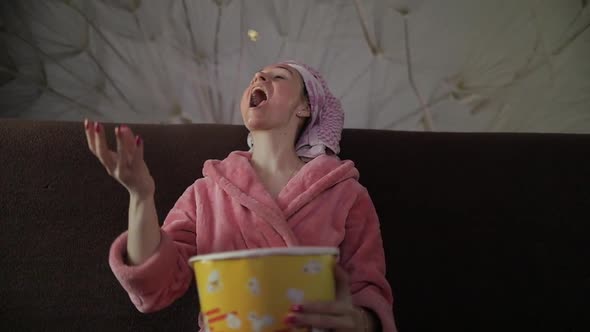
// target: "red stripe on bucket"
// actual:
[[213, 311], [218, 318]]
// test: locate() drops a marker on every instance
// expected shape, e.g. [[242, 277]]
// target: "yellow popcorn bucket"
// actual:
[[253, 290]]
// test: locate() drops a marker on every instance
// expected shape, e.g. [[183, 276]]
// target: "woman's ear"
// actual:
[[303, 112]]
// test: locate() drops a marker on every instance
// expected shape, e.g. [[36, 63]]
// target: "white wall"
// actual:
[[490, 65]]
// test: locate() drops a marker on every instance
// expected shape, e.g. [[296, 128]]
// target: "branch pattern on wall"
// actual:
[[456, 65]]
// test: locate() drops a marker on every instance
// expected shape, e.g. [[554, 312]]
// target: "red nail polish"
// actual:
[[86, 124], [137, 140], [97, 127], [290, 320], [297, 308]]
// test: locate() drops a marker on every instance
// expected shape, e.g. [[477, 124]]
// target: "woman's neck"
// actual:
[[274, 153]]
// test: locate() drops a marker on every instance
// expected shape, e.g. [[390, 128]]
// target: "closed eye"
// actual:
[[279, 76]]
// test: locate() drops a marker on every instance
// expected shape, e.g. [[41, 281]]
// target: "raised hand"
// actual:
[[126, 165]]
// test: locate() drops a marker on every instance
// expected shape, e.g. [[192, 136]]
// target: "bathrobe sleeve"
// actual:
[[362, 256], [165, 276]]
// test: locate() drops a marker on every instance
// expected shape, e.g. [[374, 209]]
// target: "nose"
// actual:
[[260, 76]]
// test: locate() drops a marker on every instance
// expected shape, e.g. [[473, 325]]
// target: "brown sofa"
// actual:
[[483, 232]]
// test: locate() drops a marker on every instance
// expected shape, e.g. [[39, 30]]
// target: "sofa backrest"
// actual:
[[481, 231]]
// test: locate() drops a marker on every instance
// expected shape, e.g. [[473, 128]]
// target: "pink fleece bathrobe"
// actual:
[[229, 209]]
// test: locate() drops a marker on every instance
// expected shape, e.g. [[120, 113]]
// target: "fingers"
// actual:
[[320, 321], [339, 314], [106, 156], [89, 135], [139, 148], [325, 308], [98, 145], [125, 145], [129, 146]]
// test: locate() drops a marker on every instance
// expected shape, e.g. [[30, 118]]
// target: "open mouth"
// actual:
[[258, 97]]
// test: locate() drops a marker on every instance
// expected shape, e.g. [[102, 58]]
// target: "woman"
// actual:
[[289, 189]]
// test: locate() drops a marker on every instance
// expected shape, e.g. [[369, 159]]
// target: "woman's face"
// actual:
[[272, 98]]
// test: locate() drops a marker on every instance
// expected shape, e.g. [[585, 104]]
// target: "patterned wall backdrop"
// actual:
[[453, 65]]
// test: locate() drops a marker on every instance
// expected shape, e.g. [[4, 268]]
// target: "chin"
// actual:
[[256, 124], [258, 120]]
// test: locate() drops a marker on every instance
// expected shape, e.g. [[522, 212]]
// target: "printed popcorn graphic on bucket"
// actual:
[[253, 290], [214, 282], [259, 323], [312, 267], [233, 321], [215, 317], [254, 286], [295, 295]]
